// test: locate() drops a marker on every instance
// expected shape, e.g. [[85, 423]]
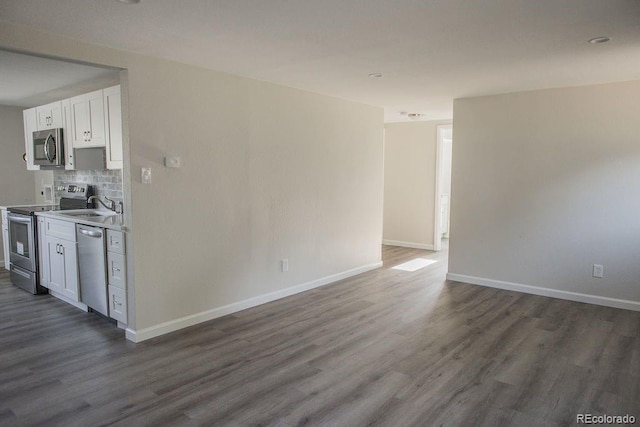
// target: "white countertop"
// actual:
[[113, 222]]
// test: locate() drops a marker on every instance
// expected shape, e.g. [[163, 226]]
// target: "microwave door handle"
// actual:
[[45, 146], [51, 157], [53, 146]]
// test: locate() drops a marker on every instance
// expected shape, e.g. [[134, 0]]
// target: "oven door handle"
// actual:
[[19, 219]]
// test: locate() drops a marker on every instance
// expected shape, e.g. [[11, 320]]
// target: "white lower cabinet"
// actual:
[[117, 275], [60, 261], [59, 270], [63, 267], [118, 304]]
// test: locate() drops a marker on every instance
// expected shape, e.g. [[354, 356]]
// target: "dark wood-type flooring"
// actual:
[[387, 347]]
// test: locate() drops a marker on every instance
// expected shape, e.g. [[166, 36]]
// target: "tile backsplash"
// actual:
[[105, 182]]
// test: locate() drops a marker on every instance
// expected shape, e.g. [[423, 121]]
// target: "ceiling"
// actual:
[[428, 51], [28, 81]]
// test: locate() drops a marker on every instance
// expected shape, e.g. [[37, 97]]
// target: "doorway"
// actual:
[[442, 203]]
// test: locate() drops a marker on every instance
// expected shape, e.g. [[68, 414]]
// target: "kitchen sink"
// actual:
[[86, 213]]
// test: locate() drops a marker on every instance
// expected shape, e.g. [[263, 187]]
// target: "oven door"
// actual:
[[22, 248]]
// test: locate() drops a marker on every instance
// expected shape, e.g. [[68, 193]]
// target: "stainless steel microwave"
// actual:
[[48, 147]]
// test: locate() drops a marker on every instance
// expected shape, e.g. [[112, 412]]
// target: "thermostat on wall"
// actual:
[[172, 161]]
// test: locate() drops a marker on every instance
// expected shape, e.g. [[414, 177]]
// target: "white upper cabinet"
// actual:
[[30, 120], [113, 126], [90, 120], [49, 116], [87, 120]]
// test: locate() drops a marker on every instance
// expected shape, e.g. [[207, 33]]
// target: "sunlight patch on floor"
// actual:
[[414, 264]]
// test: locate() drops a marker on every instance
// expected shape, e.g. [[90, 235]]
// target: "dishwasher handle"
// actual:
[[90, 233]]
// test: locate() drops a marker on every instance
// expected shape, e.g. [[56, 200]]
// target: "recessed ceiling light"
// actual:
[[375, 75], [415, 116], [130, 1], [598, 40]]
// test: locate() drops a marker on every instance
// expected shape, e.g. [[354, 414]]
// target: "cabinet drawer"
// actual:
[[115, 241], [116, 270], [61, 229], [118, 304]]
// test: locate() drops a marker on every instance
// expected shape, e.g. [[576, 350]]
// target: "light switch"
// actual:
[[146, 175]]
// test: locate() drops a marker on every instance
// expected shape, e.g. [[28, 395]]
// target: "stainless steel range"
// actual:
[[23, 241]]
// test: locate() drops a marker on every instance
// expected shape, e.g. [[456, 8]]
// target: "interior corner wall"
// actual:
[[545, 184], [19, 189], [410, 183], [268, 173]]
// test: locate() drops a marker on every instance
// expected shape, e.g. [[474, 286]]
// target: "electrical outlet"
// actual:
[[598, 271], [285, 265]]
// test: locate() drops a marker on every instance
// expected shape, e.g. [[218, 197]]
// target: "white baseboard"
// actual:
[[408, 244], [76, 304], [194, 319], [547, 292]]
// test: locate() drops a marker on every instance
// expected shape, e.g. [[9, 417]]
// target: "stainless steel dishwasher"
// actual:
[[92, 267]]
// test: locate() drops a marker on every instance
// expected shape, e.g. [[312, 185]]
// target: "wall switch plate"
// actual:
[[598, 271], [146, 175], [285, 265], [172, 161]]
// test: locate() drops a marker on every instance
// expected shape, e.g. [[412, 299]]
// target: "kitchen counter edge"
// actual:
[[116, 223]]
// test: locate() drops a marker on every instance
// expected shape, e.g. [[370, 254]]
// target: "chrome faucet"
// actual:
[[112, 203]]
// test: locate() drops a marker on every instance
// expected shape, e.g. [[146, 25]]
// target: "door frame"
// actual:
[[437, 240]]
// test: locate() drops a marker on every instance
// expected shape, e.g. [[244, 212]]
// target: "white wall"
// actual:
[[545, 184], [267, 172], [409, 183], [16, 183]]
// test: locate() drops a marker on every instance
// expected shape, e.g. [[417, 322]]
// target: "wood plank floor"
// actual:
[[388, 347]]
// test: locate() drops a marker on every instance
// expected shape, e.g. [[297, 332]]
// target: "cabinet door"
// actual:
[[54, 264], [113, 126], [49, 116], [95, 105], [69, 254], [87, 120], [79, 117], [30, 120], [118, 304], [116, 270]]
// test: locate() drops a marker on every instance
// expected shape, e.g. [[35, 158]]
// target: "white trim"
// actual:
[[408, 244], [547, 292], [437, 240], [68, 300], [194, 319]]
